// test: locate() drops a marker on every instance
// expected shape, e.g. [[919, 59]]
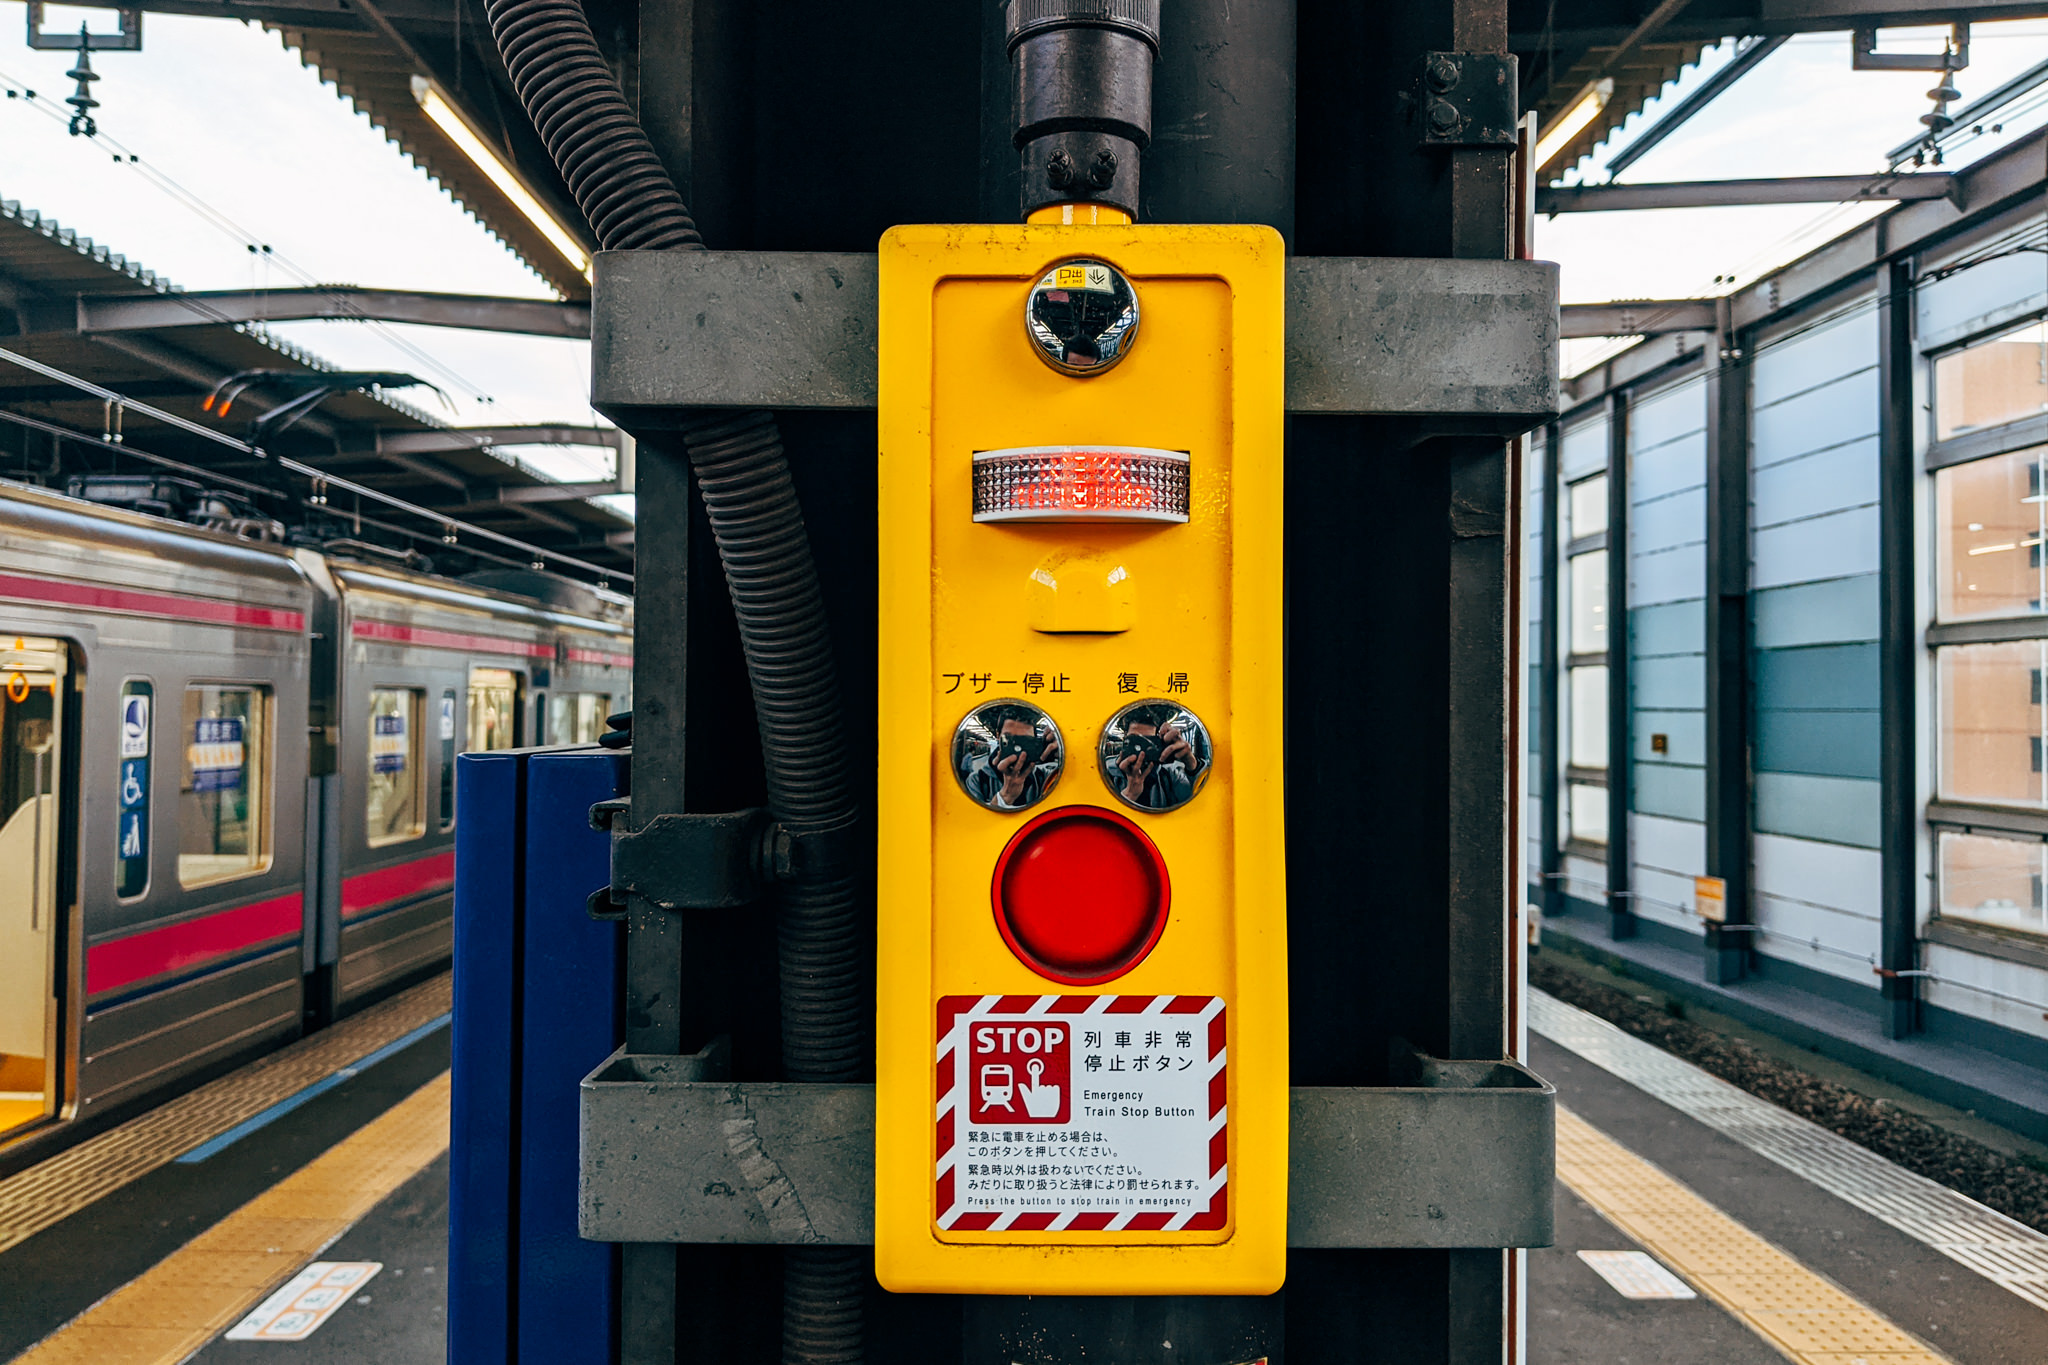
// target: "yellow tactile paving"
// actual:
[[1804, 1315], [53, 1190], [202, 1288]]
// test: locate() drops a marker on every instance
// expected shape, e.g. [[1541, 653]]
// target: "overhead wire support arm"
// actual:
[[307, 471], [1693, 194], [1976, 109]]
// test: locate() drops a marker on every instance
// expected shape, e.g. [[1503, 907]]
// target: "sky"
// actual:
[[239, 145], [1803, 111], [263, 153]]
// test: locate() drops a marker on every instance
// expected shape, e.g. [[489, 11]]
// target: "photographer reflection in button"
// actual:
[[1008, 755], [1155, 755]]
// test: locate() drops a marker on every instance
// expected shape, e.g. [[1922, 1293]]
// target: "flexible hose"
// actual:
[[761, 542], [630, 201]]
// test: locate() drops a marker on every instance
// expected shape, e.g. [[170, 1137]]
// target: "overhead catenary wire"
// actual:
[[440, 519], [243, 236], [130, 159]]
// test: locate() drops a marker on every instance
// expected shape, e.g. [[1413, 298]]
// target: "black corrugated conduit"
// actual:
[[630, 201]]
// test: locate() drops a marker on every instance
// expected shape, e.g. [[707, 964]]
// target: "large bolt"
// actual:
[[1103, 172], [1059, 171], [1444, 116], [1442, 72]]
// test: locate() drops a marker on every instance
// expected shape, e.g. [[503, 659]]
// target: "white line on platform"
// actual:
[[2009, 1254], [1637, 1275]]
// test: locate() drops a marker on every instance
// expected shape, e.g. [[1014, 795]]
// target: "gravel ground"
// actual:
[[2012, 1187]]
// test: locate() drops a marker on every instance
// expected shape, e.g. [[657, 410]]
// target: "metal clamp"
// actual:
[[684, 862], [1467, 99], [709, 862]]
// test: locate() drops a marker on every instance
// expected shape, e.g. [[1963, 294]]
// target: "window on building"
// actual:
[[391, 810], [1990, 636], [1991, 517], [577, 717], [1587, 508], [1585, 649], [1589, 602], [1995, 880], [1989, 740], [224, 796], [1588, 721], [1992, 382], [493, 709], [1587, 806]]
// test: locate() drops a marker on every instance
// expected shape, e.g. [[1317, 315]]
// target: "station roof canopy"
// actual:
[[63, 305], [375, 52]]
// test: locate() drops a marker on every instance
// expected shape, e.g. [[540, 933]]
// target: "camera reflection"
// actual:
[[1155, 755], [1007, 755]]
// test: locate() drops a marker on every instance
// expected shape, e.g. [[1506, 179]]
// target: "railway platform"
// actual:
[[1758, 1236]]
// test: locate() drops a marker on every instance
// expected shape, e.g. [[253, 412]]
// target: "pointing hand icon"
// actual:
[[1041, 1101]]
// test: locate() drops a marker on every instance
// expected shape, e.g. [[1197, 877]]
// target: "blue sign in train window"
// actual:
[[216, 756]]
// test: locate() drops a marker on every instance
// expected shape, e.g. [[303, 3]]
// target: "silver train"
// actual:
[[227, 787]]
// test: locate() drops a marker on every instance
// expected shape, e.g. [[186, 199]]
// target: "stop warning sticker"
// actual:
[[1081, 1113]]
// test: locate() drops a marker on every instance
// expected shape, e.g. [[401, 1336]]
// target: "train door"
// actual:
[[32, 673]]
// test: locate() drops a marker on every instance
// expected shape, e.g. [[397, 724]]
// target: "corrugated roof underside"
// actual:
[[378, 83], [1637, 80]]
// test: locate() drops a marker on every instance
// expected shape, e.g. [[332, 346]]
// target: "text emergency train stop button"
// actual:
[[1103, 1113]]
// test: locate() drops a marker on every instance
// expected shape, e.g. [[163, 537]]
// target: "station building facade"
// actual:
[[1787, 611]]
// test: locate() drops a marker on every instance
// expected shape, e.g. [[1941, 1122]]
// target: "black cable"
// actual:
[[629, 200]]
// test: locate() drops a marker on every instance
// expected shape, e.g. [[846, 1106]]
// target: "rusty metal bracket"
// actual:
[[685, 862], [709, 862], [1467, 99]]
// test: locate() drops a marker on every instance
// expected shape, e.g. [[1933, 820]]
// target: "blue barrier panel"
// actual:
[[569, 1022], [537, 986], [489, 803]]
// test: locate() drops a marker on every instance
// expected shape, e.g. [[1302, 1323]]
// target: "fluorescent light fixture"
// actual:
[[445, 117], [1573, 121]]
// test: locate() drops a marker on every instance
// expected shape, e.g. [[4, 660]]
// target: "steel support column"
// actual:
[[1483, 762], [654, 937], [1898, 638], [1727, 649], [1620, 892], [1549, 759]]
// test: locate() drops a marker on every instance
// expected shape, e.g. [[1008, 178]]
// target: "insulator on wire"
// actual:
[[81, 100]]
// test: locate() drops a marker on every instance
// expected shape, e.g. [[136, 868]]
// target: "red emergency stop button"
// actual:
[[1081, 895]]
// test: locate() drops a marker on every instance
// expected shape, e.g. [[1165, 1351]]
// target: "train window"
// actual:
[[577, 717], [131, 850], [392, 812], [447, 733], [493, 708], [541, 728], [224, 799]]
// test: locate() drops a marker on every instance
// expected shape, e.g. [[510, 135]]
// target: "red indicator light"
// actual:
[[1081, 483], [1081, 895]]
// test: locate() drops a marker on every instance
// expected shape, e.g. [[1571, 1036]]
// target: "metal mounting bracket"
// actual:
[[685, 862], [126, 37], [709, 862], [1467, 99], [1460, 1154], [1864, 56]]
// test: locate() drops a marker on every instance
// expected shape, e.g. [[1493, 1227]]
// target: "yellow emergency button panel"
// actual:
[[1082, 1006]]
